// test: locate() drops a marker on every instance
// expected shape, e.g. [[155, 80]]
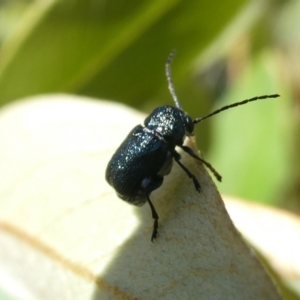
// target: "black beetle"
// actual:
[[146, 155]]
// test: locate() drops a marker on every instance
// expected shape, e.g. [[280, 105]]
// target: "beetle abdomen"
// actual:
[[138, 166]]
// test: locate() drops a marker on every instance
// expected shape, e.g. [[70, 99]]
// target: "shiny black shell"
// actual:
[[146, 155]]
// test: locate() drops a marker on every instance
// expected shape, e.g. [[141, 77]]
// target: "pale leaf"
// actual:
[[64, 234]]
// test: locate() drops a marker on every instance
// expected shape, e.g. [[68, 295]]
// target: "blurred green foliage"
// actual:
[[105, 50], [225, 53]]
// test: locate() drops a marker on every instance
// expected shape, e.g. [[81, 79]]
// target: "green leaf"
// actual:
[[102, 49], [252, 145]]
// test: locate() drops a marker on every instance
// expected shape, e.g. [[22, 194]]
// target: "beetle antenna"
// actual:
[[169, 78], [235, 104]]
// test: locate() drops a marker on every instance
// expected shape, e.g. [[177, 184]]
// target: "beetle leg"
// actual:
[[186, 170], [155, 217], [207, 164]]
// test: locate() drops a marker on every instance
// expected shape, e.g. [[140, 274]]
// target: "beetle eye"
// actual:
[[189, 124]]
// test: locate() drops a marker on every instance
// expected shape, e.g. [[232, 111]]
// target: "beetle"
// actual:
[[139, 165]]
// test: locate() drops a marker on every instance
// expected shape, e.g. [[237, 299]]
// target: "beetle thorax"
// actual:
[[171, 123]]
